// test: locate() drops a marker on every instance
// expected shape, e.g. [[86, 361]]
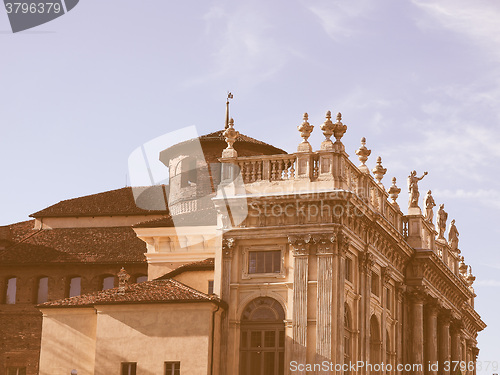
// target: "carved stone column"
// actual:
[[324, 252], [300, 249], [417, 329], [227, 257], [444, 342], [432, 337], [400, 292], [456, 341], [342, 248], [361, 309], [366, 260], [386, 277]]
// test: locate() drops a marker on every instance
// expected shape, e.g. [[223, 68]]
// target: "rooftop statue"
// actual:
[[429, 205], [453, 236], [442, 216], [413, 188]]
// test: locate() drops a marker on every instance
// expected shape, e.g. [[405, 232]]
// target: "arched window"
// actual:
[[262, 340], [140, 278], [10, 291], [42, 290], [74, 286], [107, 282], [347, 335]]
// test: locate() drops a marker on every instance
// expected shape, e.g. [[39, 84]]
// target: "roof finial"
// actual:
[[123, 278], [229, 96]]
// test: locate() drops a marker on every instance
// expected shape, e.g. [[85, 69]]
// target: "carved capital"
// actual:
[[417, 294], [366, 261], [386, 275], [300, 244], [227, 246], [444, 316], [343, 244], [324, 243]]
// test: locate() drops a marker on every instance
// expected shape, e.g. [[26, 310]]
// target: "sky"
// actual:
[[420, 79]]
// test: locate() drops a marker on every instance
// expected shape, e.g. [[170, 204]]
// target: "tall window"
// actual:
[[10, 293], [108, 282], [43, 290], [75, 286], [376, 284], [172, 368], [210, 287], [16, 371], [388, 299], [348, 269], [264, 261], [129, 368]]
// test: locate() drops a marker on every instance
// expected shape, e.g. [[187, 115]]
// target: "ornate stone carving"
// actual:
[[300, 244], [365, 261], [453, 236], [463, 267], [305, 130], [324, 243], [442, 216], [123, 278], [339, 129], [470, 278], [386, 276], [413, 188], [379, 171], [230, 136], [227, 245], [429, 205], [394, 192], [363, 154], [327, 127]]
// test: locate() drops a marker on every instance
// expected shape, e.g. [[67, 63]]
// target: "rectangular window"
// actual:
[[129, 368], [388, 299], [375, 284], [210, 287], [264, 261], [16, 371], [172, 368], [348, 269], [10, 295], [43, 290]]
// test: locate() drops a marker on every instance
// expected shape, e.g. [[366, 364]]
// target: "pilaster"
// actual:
[[324, 252], [300, 250]]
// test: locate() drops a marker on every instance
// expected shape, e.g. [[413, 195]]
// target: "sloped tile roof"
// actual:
[[152, 200], [154, 291], [203, 265], [90, 245], [196, 218]]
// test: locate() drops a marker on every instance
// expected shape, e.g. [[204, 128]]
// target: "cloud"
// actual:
[[492, 283], [243, 46], [336, 16], [477, 20]]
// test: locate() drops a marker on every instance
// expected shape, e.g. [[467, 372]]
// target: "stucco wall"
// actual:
[[68, 337], [153, 334], [196, 279], [96, 341]]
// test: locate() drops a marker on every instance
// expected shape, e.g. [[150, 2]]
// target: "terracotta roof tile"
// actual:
[[203, 265], [114, 202], [94, 245], [196, 218], [154, 291]]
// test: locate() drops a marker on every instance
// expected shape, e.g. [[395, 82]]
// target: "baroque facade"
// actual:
[[315, 268]]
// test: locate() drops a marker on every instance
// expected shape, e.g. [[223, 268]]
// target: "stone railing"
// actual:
[[313, 172], [266, 168]]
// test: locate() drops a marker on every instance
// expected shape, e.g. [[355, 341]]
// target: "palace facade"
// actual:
[[275, 263]]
